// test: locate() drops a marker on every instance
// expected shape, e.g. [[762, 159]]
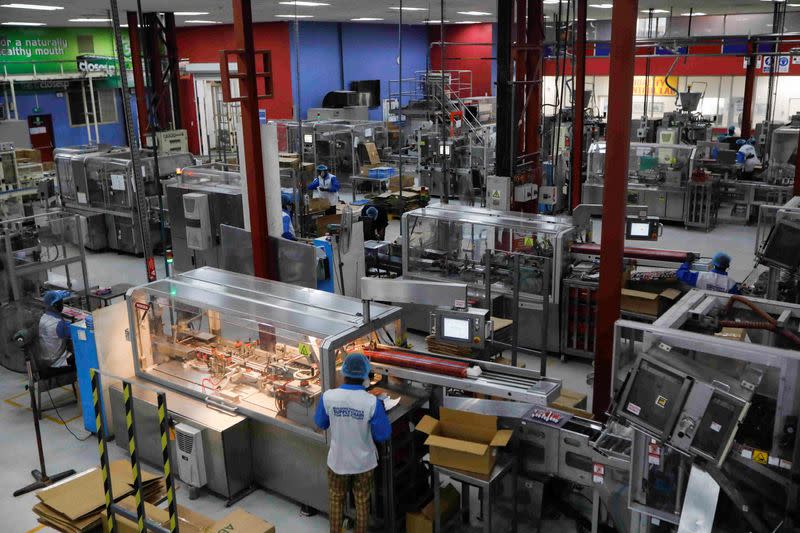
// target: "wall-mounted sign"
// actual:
[[90, 64], [783, 64], [654, 86]]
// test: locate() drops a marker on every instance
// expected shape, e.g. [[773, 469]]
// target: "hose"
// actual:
[[763, 314], [747, 324]]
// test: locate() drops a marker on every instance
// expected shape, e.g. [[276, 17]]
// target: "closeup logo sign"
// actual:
[[90, 64]]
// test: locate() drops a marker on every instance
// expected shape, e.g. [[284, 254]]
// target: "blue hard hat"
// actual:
[[51, 298], [286, 199], [356, 365], [741, 142], [721, 260], [731, 129], [372, 212], [321, 168]]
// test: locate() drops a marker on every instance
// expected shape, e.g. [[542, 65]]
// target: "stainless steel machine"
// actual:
[[477, 247], [221, 185], [657, 177], [710, 390]]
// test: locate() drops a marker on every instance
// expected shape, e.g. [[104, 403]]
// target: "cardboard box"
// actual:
[[394, 182], [422, 521], [323, 221], [372, 152], [316, 205], [462, 440], [648, 303], [736, 334], [241, 521], [188, 521]]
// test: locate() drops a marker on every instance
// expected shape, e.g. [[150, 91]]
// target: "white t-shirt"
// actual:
[[352, 450], [714, 281]]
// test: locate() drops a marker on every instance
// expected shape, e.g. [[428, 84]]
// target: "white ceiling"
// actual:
[[339, 10]]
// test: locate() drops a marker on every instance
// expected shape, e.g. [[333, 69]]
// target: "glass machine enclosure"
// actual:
[[262, 349], [455, 244], [657, 177]]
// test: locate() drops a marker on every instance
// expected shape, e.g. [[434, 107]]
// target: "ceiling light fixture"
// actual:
[[366, 19], [409, 8], [474, 13], [467, 22], [190, 13], [202, 22], [23, 23], [435, 21], [89, 19], [695, 14], [37, 7], [303, 4], [295, 16], [602, 6], [655, 11], [591, 20]]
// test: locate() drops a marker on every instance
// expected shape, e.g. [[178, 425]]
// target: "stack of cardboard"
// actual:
[[422, 521], [75, 504], [188, 521]]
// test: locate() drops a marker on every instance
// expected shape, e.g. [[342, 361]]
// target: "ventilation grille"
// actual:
[[185, 442]]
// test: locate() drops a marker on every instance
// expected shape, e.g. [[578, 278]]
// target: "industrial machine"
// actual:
[[97, 180], [220, 184], [783, 153], [657, 177], [710, 390], [478, 247]]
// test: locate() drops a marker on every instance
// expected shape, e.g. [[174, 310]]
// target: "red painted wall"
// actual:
[[202, 45], [466, 33]]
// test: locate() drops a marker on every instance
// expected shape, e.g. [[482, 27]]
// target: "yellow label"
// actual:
[[528, 241], [304, 349], [760, 456], [654, 85]]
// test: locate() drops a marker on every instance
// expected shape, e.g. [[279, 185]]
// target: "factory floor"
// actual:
[[63, 451]]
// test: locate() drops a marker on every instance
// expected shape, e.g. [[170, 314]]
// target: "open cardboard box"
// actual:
[[422, 521], [462, 440], [648, 303]]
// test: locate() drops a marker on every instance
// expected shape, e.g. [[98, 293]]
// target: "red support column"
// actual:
[[263, 262], [519, 59], [796, 188], [749, 86], [154, 54], [171, 39], [138, 76], [580, 102], [620, 98], [533, 111]]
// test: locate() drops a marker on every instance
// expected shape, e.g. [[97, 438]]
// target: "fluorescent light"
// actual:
[[467, 22], [304, 4], [295, 16], [474, 13], [23, 23], [409, 8], [435, 21], [89, 19], [602, 6], [37, 7], [695, 14], [201, 21], [551, 2], [591, 20], [366, 19], [655, 11], [190, 13]]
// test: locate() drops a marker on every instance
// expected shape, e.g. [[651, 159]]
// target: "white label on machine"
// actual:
[[460, 304], [774, 461], [38, 131], [118, 182], [665, 347], [368, 132], [633, 408], [747, 454], [715, 427], [81, 197], [81, 334]]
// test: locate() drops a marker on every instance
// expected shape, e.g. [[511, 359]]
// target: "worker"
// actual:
[[326, 185], [54, 339], [715, 280], [749, 166], [747, 147], [375, 222], [355, 420], [288, 227]]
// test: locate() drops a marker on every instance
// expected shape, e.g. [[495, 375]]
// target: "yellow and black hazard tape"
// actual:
[[163, 424], [137, 474], [103, 450]]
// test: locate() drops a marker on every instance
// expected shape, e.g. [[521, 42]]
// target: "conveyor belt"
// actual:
[[652, 254]]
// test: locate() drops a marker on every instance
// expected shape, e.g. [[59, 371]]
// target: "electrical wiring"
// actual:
[[58, 414]]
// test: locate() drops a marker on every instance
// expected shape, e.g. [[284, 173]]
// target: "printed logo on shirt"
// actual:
[[348, 412]]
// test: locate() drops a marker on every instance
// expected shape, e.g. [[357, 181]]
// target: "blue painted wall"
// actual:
[[64, 134], [369, 52]]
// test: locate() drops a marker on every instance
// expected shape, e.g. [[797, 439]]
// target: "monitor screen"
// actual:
[[308, 138], [640, 229], [781, 248], [455, 328]]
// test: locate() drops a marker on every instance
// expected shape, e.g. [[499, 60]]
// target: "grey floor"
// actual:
[[17, 443]]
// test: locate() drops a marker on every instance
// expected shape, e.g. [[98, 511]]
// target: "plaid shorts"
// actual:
[[338, 485]]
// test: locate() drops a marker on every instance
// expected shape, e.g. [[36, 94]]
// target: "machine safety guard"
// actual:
[[112, 509]]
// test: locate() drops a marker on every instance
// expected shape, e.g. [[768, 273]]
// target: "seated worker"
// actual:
[[747, 147], [375, 222], [355, 420], [288, 228], [54, 339], [326, 185], [749, 167], [715, 280]]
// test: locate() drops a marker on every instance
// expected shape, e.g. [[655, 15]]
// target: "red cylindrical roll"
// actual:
[[419, 362]]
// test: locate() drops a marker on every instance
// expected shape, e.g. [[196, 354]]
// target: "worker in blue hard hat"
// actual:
[[288, 227], [375, 219], [325, 185], [54, 339], [716, 279], [355, 420]]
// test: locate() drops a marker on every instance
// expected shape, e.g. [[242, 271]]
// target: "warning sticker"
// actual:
[[528, 241], [633, 408], [760, 456], [661, 401], [715, 427], [304, 349], [496, 195]]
